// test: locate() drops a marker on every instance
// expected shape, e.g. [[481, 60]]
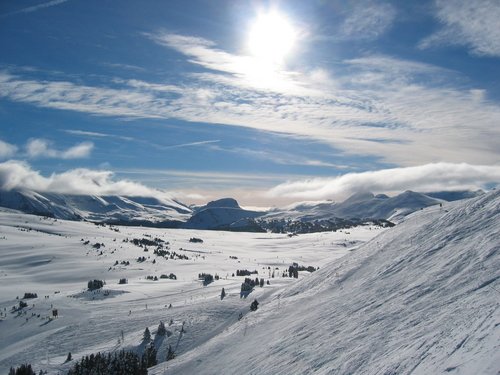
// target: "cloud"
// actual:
[[17, 175], [279, 157], [368, 20], [41, 148], [7, 150], [470, 23], [425, 178], [34, 8], [200, 143], [97, 134], [398, 112]]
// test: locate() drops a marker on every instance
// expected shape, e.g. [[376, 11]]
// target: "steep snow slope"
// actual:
[[95, 208], [421, 298]]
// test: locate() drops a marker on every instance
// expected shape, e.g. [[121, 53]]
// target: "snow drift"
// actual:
[[421, 298]]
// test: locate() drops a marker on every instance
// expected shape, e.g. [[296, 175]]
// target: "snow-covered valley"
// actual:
[[421, 298]]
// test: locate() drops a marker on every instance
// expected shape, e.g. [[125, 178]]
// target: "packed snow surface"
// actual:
[[420, 298]]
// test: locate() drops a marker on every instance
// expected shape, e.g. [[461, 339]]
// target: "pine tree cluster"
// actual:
[[206, 277], [95, 284], [24, 369], [120, 363], [245, 272]]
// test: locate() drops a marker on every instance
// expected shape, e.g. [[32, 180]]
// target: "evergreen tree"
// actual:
[[255, 305], [24, 369], [222, 294], [69, 357], [161, 329], [149, 356], [147, 335]]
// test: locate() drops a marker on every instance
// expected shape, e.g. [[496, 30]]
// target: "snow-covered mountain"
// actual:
[[420, 298], [360, 205], [118, 209], [221, 214]]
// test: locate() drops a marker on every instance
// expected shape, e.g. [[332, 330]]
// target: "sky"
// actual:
[[268, 102]]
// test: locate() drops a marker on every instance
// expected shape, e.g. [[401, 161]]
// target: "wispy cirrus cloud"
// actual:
[[367, 20], [42, 148], [425, 178], [97, 134], [279, 157], [400, 112], [34, 8], [469, 23], [191, 144], [131, 139]]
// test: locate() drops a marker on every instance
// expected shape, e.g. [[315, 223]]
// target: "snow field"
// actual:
[[48, 257]]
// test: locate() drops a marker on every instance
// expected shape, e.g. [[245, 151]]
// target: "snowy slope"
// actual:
[[52, 258], [95, 208], [421, 298]]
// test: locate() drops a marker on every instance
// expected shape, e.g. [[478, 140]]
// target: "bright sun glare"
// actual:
[[271, 38]]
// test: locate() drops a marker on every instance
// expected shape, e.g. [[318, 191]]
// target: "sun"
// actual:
[[271, 38]]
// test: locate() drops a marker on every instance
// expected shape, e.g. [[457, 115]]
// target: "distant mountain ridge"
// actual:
[[220, 214], [120, 209], [358, 206], [225, 213]]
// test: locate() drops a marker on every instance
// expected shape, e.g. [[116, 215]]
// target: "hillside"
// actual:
[[421, 298]]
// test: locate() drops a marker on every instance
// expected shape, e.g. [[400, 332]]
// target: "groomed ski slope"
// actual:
[[421, 298]]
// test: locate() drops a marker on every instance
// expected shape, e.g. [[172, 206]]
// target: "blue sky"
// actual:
[[193, 97]]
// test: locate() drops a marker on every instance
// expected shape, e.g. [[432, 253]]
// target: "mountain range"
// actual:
[[223, 214]]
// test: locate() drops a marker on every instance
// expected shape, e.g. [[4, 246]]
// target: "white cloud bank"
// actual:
[[17, 175], [424, 178], [42, 148], [470, 23]]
